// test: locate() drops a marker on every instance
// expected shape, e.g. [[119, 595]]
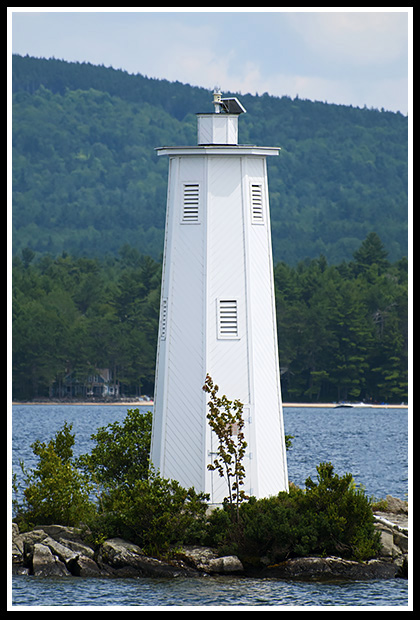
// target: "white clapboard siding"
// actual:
[[217, 312]]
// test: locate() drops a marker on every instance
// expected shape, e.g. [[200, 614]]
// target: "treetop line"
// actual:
[[342, 329]]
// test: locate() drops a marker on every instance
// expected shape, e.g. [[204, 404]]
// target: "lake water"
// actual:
[[372, 444]]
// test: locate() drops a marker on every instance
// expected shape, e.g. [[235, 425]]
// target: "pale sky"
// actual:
[[352, 55]]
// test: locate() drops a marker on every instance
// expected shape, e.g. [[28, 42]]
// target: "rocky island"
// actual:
[[55, 550]]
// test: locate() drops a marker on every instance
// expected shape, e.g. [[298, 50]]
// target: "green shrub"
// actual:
[[56, 491], [342, 514], [155, 514], [134, 502], [121, 451], [330, 517], [278, 526]]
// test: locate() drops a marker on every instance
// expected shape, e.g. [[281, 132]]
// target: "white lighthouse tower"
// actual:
[[217, 312]]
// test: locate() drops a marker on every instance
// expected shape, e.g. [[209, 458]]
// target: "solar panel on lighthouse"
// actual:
[[217, 309]]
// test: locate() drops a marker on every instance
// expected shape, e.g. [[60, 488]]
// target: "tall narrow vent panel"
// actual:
[[191, 202], [163, 319], [257, 212], [227, 318]]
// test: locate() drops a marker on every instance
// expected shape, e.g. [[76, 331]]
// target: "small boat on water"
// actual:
[[351, 405]]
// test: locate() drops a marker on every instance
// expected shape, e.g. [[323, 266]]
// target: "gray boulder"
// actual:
[[393, 529], [226, 565], [46, 564], [330, 568], [396, 505], [205, 560], [46, 553], [61, 531], [22, 545], [64, 554], [122, 558]]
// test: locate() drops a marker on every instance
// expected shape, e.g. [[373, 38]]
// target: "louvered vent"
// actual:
[[228, 318], [163, 319], [191, 202], [257, 204]]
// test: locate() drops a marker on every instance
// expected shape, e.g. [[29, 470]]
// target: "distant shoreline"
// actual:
[[145, 403], [344, 405]]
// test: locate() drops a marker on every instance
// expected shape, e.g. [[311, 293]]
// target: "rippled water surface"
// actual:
[[372, 444], [206, 591]]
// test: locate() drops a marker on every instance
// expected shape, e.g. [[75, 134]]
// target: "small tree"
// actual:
[[225, 419], [121, 452], [56, 491]]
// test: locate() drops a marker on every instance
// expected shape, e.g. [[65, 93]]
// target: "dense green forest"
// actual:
[[86, 179], [342, 329], [89, 200]]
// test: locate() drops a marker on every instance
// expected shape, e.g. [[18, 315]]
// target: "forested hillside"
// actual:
[[342, 329], [86, 179], [89, 200]]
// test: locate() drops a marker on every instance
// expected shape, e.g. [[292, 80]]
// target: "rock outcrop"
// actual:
[[54, 550], [205, 560], [393, 528], [330, 568]]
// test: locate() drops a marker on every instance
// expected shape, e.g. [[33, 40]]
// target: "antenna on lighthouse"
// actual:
[[217, 96], [230, 105]]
